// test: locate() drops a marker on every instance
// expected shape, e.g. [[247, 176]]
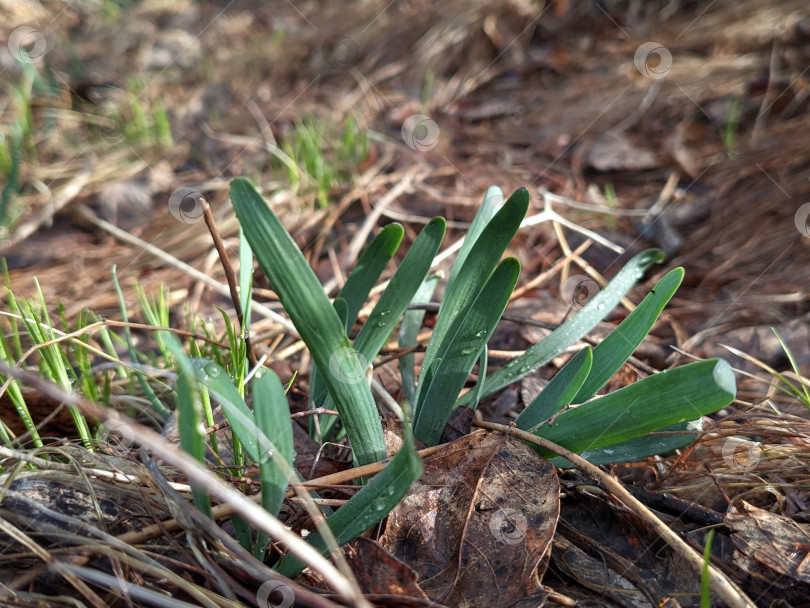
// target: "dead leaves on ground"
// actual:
[[475, 529]]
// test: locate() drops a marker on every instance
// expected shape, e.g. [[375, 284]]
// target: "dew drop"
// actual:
[[601, 307], [467, 351], [381, 324], [385, 313], [212, 370], [481, 333]]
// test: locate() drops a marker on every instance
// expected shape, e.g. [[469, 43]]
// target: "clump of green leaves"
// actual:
[[613, 427]]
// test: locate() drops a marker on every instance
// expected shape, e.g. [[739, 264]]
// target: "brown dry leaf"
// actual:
[[773, 541], [380, 573], [478, 522]]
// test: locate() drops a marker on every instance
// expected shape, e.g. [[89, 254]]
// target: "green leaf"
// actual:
[[404, 284], [658, 442], [575, 328], [409, 331], [493, 200], [460, 351], [395, 299], [474, 273], [373, 502], [558, 393], [610, 354], [314, 318], [368, 269], [189, 414], [273, 419], [677, 395]]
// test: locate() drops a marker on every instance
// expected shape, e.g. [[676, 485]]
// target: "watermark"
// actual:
[[283, 595], [186, 205], [420, 132], [116, 438], [802, 219], [508, 526], [27, 44], [741, 454], [110, 127], [340, 53], [348, 365], [578, 290], [653, 60]]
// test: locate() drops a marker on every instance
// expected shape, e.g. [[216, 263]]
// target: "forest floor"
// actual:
[[680, 126]]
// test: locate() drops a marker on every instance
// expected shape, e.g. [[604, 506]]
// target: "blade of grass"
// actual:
[[573, 329], [672, 396], [803, 394], [313, 316]]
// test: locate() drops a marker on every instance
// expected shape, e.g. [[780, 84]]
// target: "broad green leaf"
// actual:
[[273, 419], [189, 414], [558, 392], [677, 395], [610, 354], [239, 415], [314, 317], [493, 200], [357, 287], [395, 299], [353, 295], [404, 284], [449, 371], [575, 328], [368, 269], [658, 442], [373, 502], [409, 331], [474, 273]]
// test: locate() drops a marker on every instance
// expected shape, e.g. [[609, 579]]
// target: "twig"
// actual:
[[122, 235], [230, 276]]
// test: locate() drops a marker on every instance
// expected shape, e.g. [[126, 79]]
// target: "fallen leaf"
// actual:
[[776, 542], [479, 522]]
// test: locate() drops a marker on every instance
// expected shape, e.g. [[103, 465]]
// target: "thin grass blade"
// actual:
[[189, 414]]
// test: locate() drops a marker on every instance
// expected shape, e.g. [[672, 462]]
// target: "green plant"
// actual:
[[318, 155], [613, 427]]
